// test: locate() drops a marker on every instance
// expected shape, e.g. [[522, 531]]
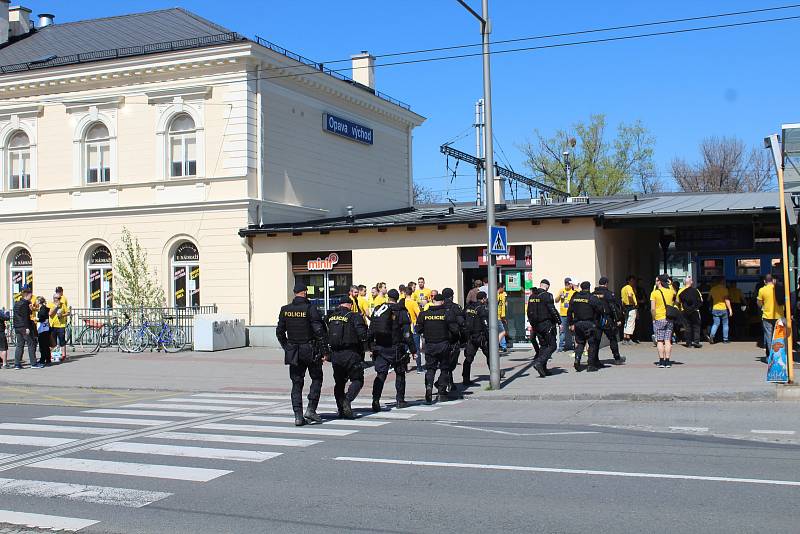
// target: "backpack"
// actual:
[[382, 321], [340, 332]]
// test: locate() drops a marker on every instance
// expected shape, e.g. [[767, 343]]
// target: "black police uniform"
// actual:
[[439, 326], [584, 314], [455, 345], [301, 333], [543, 317], [612, 314], [347, 334], [691, 301], [477, 325], [390, 350]]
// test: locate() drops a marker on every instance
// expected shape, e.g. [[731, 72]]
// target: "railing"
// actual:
[[180, 318], [321, 68]]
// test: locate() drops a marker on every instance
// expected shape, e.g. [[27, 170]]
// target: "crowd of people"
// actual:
[[37, 324], [414, 323]]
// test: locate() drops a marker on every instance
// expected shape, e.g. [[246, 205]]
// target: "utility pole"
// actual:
[[494, 342]]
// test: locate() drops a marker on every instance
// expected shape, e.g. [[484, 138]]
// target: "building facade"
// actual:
[[181, 131]]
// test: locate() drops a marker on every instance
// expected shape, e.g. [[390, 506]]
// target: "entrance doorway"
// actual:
[[326, 275]]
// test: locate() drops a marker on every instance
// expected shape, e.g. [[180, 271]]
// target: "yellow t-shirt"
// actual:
[[376, 301], [628, 296], [718, 295], [662, 303], [363, 306], [59, 320], [501, 305], [564, 304], [769, 308], [419, 294], [413, 309]]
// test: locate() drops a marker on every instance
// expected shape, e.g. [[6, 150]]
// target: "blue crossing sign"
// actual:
[[498, 241]]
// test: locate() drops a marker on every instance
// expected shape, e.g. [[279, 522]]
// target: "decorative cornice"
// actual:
[[166, 96]]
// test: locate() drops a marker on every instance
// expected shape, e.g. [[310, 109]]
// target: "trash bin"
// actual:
[[217, 331]]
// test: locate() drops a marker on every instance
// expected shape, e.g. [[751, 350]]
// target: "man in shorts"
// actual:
[[661, 297], [59, 315]]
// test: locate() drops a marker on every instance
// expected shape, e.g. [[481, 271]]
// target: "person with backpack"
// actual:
[[301, 333], [347, 334], [390, 335], [460, 339], [5, 316], [477, 325], [691, 300], [543, 318], [440, 328], [611, 319], [25, 329], [664, 312], [771, 302]]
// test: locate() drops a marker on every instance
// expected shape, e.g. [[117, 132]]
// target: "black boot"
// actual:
[[577, 364], [347, 409], [428, 395], [401, 404], [299, 420], [540, 368], [376, 405], [311, 413]]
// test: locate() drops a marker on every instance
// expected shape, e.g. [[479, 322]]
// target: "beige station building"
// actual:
[[184, 132]]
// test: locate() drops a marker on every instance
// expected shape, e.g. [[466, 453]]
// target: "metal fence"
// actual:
[[180, 318]]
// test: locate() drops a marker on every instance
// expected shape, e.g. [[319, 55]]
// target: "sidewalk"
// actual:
[[718, 372]]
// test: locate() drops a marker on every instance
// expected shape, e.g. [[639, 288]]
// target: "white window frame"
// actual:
[[97, 145], [18, 153], [184, 136], [167, 113], [7, 132], [81, 152]]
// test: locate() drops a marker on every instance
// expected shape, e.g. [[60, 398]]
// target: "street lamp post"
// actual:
[[494, 349]]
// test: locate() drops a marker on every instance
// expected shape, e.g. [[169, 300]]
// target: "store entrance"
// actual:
[[325, 290]]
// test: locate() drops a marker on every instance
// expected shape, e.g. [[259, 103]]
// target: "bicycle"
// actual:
[[114, 333], [87, 340], [171, 339]]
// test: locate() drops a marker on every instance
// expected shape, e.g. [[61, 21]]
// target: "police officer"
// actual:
[[543, 317], [390, 334], [301, 333], [439, 327], [477, 325], [455, 346], [583, 315], [611, 319], [347, 334]]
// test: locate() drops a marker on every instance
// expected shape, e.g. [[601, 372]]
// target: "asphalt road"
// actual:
[[234, 463]]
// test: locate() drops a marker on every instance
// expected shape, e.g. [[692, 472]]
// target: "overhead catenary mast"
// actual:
[[479, 134]]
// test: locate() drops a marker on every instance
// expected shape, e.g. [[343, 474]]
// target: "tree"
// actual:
[[597, 166], [725, 165], [424, 195], [135, 286]]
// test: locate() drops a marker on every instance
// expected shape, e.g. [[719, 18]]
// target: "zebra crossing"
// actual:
[[174, 441]]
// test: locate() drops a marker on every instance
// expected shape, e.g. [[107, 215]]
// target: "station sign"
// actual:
[[345, 128]]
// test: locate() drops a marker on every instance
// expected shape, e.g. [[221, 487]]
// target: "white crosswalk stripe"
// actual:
[[189, 452], [172, 406], [157, 413], [228, 438], [220, 401], [307, 430], [130, 498], [60, 428], [322, 408], [36, 441], [173, 472], [46, 522], [329, 422], [108, 420]]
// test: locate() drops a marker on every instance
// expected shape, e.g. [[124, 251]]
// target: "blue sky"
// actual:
[[739, 82]]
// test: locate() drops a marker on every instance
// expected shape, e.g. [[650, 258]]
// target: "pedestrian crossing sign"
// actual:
[[498, 241]]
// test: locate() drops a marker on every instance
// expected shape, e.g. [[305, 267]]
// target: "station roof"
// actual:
[[608, 209]]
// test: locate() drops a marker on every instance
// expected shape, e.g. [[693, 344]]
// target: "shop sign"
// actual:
[[345, 128], [509, 259], [323, 264], [514, 281], [528, 280], [528, 256]]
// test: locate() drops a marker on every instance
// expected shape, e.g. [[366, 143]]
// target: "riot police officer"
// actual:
[[543, 317], [455, 346], [347, 334], [477, 325], [583, 315], [611, 319], [301, 333], [439, 327], [390, 334]]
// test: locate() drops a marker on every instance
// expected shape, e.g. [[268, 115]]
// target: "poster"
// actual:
[[777, 370], [514, 281], [529, 280]]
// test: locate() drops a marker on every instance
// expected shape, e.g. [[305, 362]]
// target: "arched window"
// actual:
[[98, 154], [186, 276], [19, 161], [182, 146], [100, 278], [21, 270]]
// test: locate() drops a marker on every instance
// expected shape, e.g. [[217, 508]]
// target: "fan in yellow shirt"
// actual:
[[771, 310], [422, 292]]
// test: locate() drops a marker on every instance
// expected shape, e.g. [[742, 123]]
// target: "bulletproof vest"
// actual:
[[604, 296], [341, 330], [582, 307], [537, 308], [436, 330], [475, 324], [298, 322]]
